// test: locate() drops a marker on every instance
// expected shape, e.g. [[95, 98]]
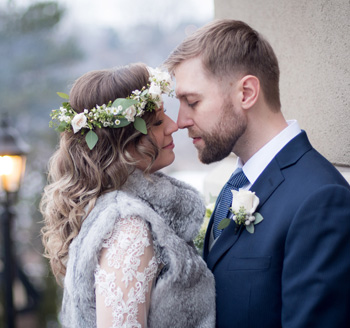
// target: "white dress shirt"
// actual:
[[261, 159]]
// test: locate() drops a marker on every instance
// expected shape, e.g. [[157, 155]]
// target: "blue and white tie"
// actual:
[[237, 180]]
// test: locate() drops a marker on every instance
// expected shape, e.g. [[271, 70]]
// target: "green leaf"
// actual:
[[125, 103], [140, 125], [223, 224], [91, 139], [250, 228], [62, 126], [258, 218], [123, 122], [63, 95]]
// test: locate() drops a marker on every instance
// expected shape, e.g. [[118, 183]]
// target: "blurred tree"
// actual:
[[35, 62], [33, 57]]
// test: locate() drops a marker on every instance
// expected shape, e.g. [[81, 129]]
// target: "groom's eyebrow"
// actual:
[[186, 94]]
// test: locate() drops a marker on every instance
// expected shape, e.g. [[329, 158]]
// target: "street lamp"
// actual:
[[12, 166]]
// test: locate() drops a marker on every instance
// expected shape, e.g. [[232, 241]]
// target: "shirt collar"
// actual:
[[259, 161]]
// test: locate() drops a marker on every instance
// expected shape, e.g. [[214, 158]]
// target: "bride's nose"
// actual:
[[171, 126]]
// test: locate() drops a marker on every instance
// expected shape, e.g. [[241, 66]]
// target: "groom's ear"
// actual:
[[249, 90]]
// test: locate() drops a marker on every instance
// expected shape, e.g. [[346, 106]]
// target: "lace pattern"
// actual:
[[124, 276]]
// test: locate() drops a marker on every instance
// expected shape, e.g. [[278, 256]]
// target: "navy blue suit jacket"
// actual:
[[294, 271]]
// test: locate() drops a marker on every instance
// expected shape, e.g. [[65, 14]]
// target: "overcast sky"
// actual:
[[122, 14]]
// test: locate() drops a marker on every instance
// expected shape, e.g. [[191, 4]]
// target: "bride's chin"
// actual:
[[162, 161]]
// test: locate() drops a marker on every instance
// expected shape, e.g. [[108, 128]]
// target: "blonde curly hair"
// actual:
[[77, 175]]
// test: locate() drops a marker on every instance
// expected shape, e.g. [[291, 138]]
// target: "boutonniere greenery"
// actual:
[[244, 204], [199, 240]]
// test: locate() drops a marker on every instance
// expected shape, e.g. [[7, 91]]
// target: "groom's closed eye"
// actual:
[[192, 105]]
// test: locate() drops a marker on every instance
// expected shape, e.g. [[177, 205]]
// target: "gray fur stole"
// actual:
[[184, 296]]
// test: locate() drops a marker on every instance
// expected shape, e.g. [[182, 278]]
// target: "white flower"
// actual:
[[140, 112], [130, 113], [143, 104], [155, 90], [158, 102], [136, 92], [159, 75], [78, 122], [167, 87], [86, 111], [246, 199], [162, 78], [116, 110], [64, 118], [116, 122]]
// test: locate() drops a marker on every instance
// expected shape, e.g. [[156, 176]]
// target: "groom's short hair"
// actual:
[[232, 48]]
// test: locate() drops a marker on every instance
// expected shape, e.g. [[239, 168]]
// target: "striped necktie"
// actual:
[[237, 180]]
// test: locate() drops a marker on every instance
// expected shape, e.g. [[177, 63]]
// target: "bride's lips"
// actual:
[[169, 146]]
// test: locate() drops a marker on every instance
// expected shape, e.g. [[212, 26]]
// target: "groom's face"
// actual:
[[207, 112]]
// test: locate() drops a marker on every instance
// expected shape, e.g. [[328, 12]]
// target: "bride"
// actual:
[[117, 232]]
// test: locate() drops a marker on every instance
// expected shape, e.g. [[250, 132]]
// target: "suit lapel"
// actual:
[[228, 237], [264, 186], [267, 183]]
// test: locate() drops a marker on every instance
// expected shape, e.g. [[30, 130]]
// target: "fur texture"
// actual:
[[184, 296]]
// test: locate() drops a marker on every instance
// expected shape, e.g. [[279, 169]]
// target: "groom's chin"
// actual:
[[208, 157]]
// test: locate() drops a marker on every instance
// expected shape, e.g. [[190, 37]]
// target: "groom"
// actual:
[[294, 270]]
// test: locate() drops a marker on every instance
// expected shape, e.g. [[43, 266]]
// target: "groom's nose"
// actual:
[[184, 120]]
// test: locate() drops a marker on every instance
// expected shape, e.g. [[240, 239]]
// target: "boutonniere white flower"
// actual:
[[244, 204]]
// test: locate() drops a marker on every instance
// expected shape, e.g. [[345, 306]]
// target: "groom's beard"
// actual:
[[220, 142]]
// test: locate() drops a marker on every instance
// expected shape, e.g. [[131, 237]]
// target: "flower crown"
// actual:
[[117, 114]]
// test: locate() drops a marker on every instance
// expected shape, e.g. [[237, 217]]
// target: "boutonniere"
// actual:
[[244, 204]]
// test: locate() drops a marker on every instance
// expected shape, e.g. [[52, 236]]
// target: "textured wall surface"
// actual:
[[311, 39]]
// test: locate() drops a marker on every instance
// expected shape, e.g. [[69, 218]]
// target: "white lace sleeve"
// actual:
[[124, 276]]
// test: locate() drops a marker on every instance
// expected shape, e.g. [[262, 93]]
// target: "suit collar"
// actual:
[[294, 150], [261, 159]]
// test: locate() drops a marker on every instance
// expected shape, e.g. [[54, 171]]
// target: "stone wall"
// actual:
[[312, 42]]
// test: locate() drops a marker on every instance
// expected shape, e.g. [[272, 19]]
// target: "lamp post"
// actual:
[[12, 166]]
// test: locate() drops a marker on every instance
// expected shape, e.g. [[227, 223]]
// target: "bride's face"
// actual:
[[161, 134]]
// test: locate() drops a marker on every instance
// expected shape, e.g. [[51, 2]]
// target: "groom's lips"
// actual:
[[196, 139]]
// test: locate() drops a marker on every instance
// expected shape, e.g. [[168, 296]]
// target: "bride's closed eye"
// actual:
[[159, 122]]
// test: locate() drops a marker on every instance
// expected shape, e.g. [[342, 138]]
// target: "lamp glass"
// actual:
[[11, 172]]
